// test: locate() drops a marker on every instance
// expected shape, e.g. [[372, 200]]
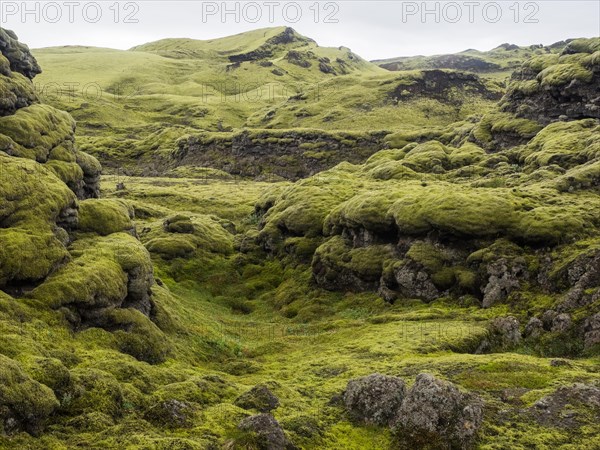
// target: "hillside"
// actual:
[[497, 63], [432, 284], [268, 79]]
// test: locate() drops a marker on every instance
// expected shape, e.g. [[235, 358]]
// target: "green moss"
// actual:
[[25, 401], [583, 46], [96, 391], [498, 123], [23, 203], [561, 74], [138, 336], [105, 216], [367, 211], [365, 263], [48, 371], [36, 130], [466, 155], [565, 144], [29, 256], [97, 276], [428, 157]]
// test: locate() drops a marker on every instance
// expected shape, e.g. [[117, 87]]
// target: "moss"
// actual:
[[23, 203], [179, 224], [16, 91], [498, 123], [29, 256], [583, 46], [565, 144], [90, 165], [393, 170], [98, 274], [341, 260], [50, 372], [427, 157], [475, 212], [540, 62], [105, 216], [36, 130], [561, 74], [182, 236], [195, 390], [24, 401], [69, 172], [466, 155], [366, 211], [138, 336], [96, 391]]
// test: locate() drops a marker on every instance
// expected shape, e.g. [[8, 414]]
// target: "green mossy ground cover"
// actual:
[[235, 301]]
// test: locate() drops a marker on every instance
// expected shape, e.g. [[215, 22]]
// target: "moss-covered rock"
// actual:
[[105, 216], [25, 404]]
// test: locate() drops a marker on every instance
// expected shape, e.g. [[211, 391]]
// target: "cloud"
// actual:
[[373, 29]]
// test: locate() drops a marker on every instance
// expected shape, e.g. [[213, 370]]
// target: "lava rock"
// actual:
[[260, 398], [265, 432], [435, 414], [375, 399]]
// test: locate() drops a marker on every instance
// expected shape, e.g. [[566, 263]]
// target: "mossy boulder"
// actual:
[[106, 216], [259, 398], [105, 273], [25, 404], [557, 87]]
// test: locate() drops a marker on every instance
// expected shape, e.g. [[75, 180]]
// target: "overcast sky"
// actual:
[[373, 29]]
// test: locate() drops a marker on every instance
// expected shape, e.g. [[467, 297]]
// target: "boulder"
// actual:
[[264, 432], [503, 279], [592, 331], [375, 399], [503, 334], [259, 398], [170, 413], [534, 328], [435, 414]]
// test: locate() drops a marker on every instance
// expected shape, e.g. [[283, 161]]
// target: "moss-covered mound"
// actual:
[[558, 86], [481, 212], [65, 262]]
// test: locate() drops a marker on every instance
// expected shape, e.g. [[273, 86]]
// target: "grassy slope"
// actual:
[[159, 92], [497, 63]]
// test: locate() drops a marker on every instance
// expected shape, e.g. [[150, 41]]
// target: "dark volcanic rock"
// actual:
[[413, 281], [281, 153], [435, 414], [375, 399], [170, 413], [18, 55], [504, 277], [503, 334], [557, 409], [438, 84], [260, 398], [265, 431]]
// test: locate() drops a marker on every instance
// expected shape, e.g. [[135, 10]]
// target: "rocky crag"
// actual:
[[64, 256]]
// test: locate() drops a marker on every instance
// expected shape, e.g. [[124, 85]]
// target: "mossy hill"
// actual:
[[497, 62], [149, 102], [205, 310]]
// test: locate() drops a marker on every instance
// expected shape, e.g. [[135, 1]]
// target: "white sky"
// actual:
[[373, 29]]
